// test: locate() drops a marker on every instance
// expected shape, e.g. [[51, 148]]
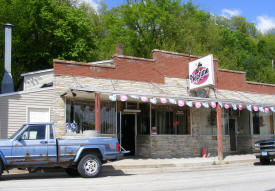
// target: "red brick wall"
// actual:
[[172, 65], [261, 88], [230, 80], [124, 68], [163, 64]]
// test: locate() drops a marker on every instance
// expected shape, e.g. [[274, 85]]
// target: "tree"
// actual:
[[66, 29], [45, 30]]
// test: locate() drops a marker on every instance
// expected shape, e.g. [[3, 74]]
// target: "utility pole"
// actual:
[[272, 64]]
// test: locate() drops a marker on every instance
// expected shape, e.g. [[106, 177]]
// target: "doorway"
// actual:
[[232, 134], [128, 132]]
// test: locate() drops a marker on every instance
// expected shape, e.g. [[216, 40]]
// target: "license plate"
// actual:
[[264, 153]]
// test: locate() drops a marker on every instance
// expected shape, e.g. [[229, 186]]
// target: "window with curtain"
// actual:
[[171, 120]]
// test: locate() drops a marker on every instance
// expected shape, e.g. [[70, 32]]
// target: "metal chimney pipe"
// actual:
[[8, 28], [7, 82]]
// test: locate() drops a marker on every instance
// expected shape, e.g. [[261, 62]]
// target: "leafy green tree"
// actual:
[[66, 29], [45, 30]]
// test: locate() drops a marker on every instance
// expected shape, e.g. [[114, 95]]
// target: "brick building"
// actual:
[[149, 106]]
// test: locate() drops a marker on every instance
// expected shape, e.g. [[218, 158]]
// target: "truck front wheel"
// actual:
[[89, 166]]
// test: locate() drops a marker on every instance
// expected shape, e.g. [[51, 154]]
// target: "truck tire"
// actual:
[[89, 166], [72, 172], [264, 161]]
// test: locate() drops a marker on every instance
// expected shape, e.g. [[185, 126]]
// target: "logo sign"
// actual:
[[201, 72]]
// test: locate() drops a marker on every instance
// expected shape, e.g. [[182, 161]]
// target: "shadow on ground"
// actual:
[[272, 163], [55, 173]]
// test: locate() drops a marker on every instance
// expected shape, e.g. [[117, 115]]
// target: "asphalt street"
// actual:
[[225, 177]]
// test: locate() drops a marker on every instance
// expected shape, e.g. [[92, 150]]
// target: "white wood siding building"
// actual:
[[22, 107]]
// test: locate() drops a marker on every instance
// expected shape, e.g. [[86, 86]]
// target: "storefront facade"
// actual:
[[148, 105]]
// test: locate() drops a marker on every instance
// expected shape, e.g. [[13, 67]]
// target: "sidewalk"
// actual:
[[137, 165], [134, 163]]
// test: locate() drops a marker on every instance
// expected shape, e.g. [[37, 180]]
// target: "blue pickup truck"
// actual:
[[35, 146]]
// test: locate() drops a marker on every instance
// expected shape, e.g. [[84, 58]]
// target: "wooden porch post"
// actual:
[[219, 132], [97, 112]]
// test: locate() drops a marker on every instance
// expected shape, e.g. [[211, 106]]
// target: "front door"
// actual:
[[31, 146], [128, 132], [232, 133]]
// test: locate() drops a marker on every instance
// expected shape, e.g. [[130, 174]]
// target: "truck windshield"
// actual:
[[11, 137]]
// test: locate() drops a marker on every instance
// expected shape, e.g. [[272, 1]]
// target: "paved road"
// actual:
[[227, 177]]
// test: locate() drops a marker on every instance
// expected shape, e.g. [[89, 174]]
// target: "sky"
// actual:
[[259, 12]]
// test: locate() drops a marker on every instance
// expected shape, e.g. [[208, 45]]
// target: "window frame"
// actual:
[[189, 120], [27, 129], [252, 126]]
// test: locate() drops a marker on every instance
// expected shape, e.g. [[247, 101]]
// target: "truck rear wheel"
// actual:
[[264, 161], [89, 166]]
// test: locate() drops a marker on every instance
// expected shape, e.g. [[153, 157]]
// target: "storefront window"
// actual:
[[243, 121], [80, 116], [80, 113], [144, 119], [208, 121], [262, 123], [171, 120], [108, 117]]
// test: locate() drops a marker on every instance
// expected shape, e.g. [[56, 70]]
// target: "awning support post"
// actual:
[[97, 112], [219, 132]]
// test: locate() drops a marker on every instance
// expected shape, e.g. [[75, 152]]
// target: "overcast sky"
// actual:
[[260, 12]]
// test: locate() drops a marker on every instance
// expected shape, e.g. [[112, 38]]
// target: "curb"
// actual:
[[171, 165]]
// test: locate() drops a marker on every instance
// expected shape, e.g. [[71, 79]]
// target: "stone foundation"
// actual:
[[178, 146], [143, 146]]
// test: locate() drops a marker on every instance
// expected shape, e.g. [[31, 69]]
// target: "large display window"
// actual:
[[80, 116], [170, 120], [263, 123]]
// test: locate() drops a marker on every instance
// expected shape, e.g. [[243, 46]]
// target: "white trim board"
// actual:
[[37, 72], [28, 91]]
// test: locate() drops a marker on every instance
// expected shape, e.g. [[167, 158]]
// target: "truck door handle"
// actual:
[[43, 142]]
